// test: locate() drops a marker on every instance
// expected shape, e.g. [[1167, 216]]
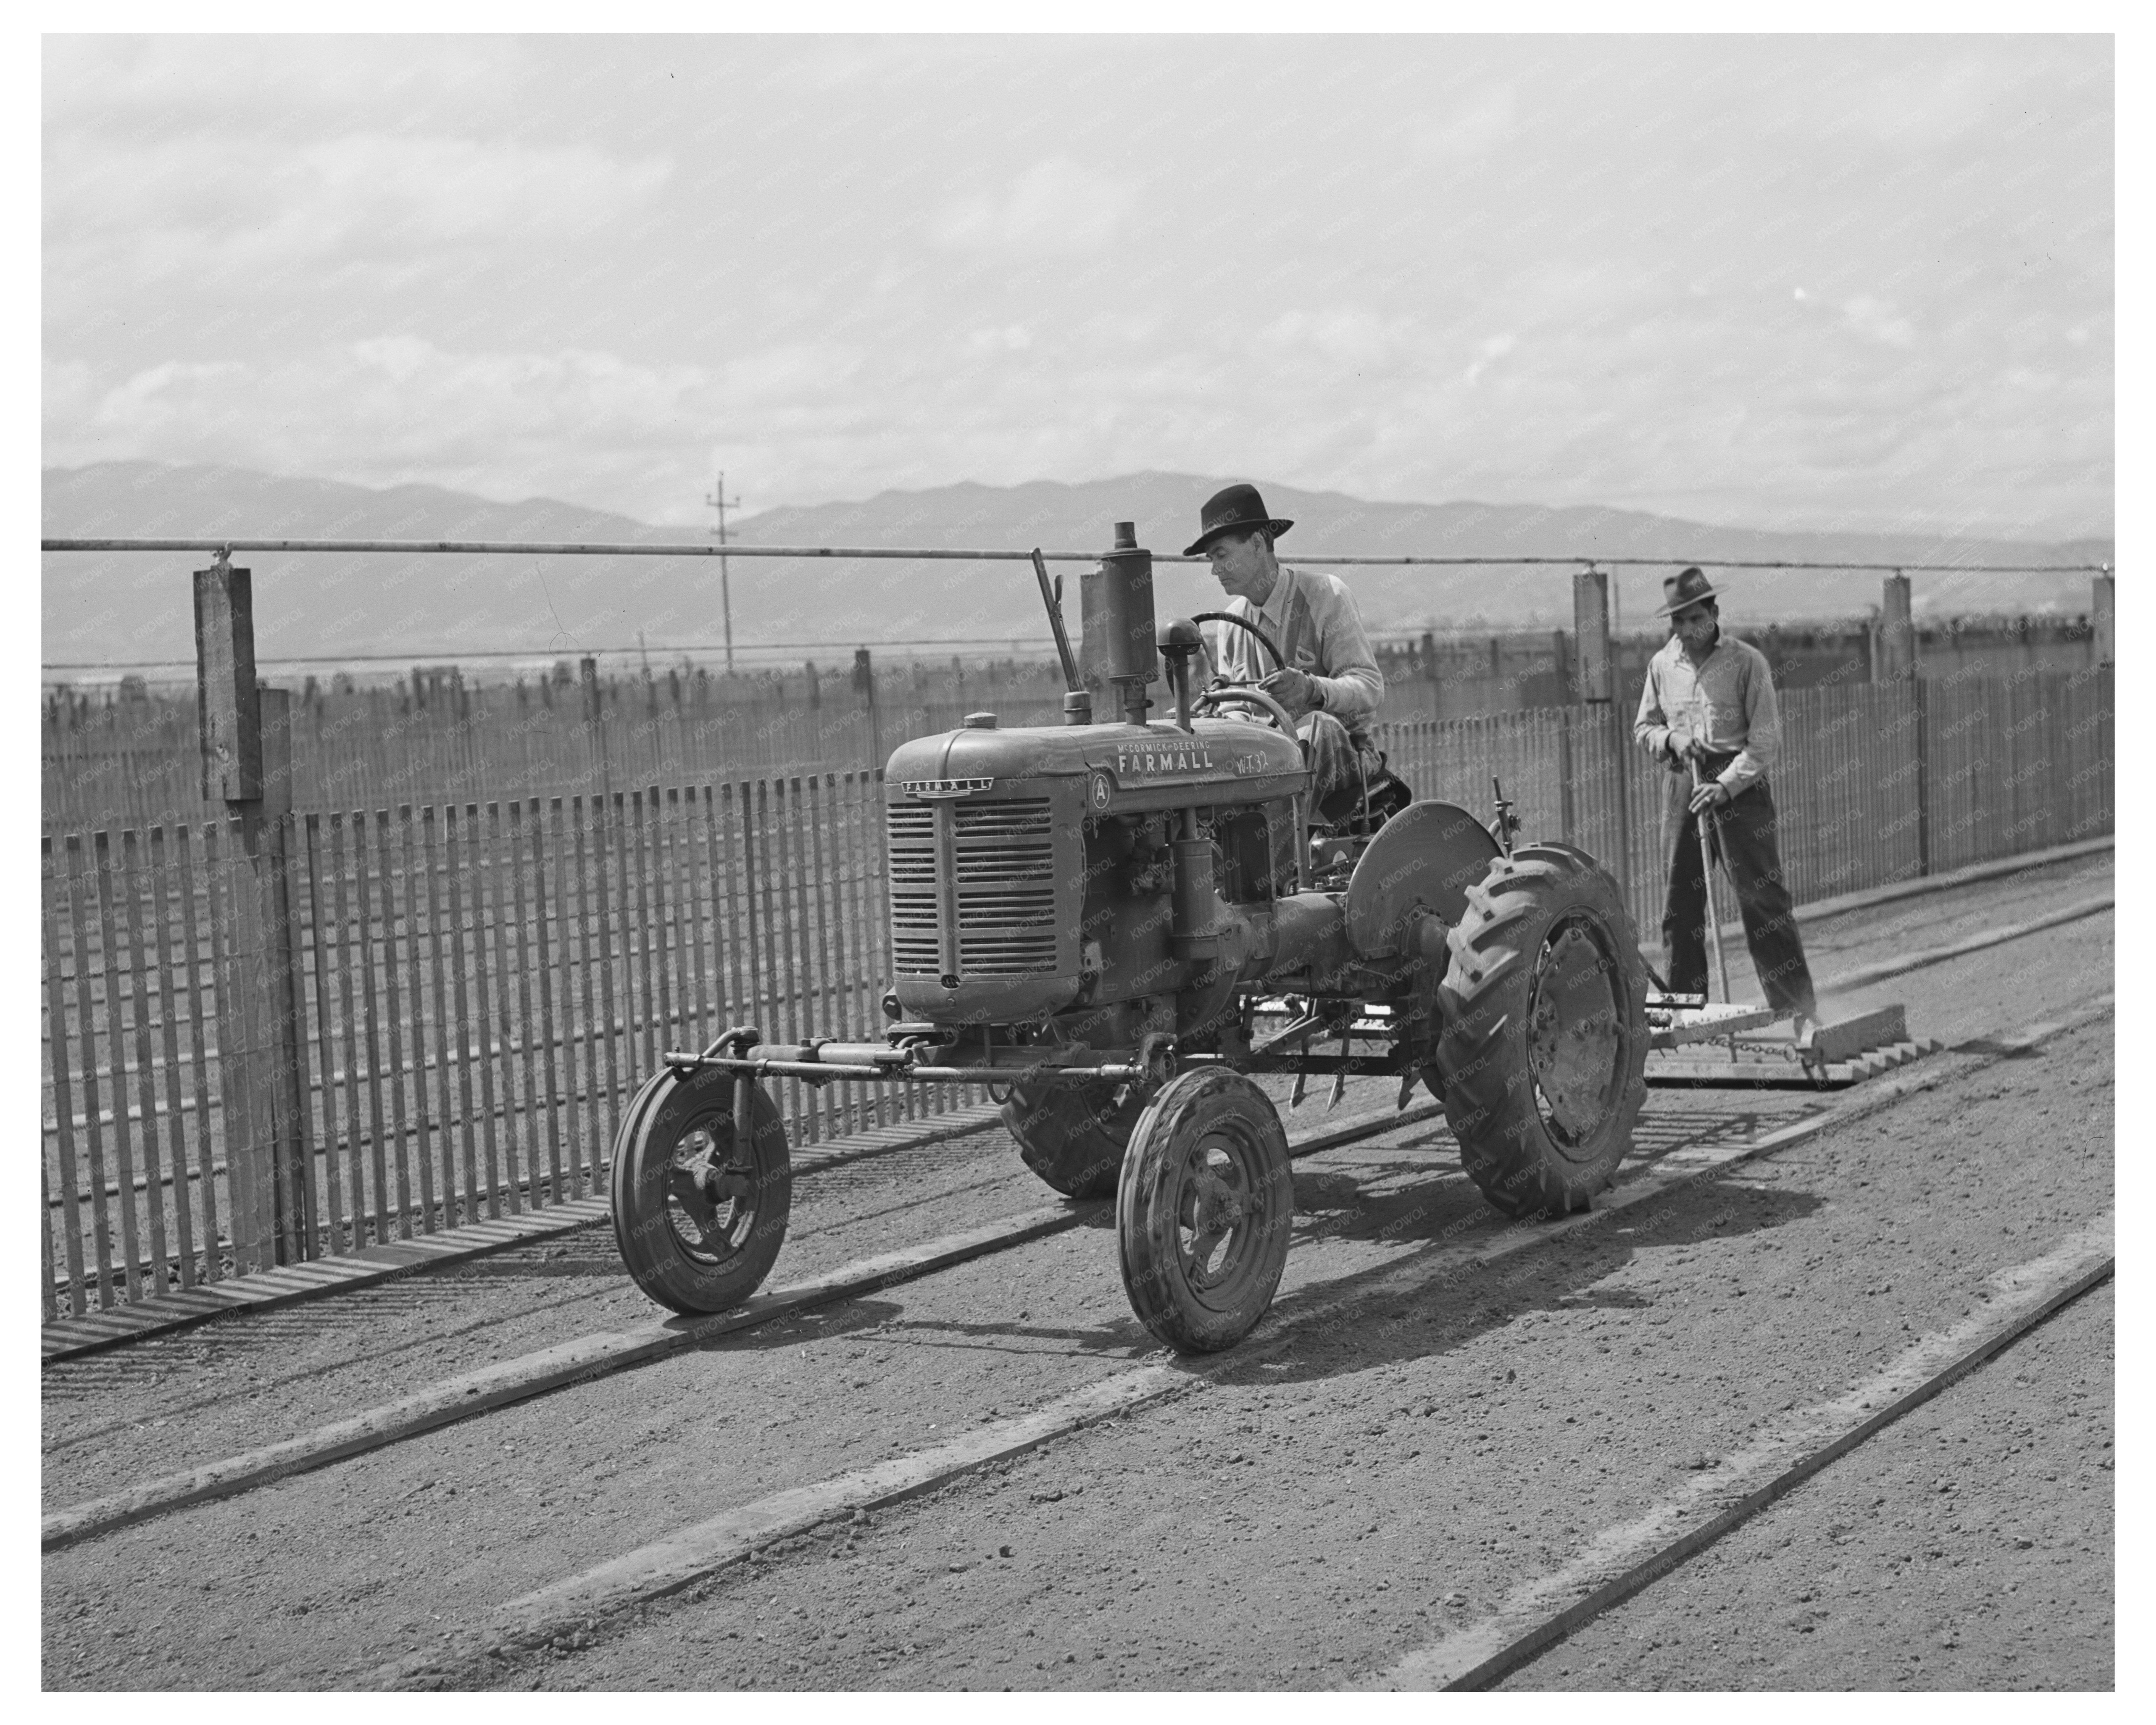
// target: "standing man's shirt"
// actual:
[[1313, 618], [1726, 703]]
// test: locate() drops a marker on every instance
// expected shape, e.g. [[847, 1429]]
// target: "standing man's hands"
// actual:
[[1711, 795]]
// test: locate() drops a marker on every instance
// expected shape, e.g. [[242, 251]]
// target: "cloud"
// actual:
[[70, 390], [581, 425], [1344, 337], [1487, 354], [251, 211], [1054, 207], [1937, 101], [1878, 319], [198, 85], [1472, 129], [597, 269]]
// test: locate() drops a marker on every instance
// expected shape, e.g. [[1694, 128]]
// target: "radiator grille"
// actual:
[[1005, 888], [910, 830]]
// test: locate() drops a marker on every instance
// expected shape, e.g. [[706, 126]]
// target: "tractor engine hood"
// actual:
[[1127, 768]]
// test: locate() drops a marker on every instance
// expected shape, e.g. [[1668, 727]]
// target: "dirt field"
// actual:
[[1338, 1495], [1968, 1547]]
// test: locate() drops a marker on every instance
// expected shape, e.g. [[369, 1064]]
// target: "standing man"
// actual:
[[1709, 700], [1328, 680]]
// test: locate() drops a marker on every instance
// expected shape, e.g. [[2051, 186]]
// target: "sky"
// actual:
[[1819, 283]]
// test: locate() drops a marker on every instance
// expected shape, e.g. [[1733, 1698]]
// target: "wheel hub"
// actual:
[[710, 1204], [1573, 1036], [1214, 1213]]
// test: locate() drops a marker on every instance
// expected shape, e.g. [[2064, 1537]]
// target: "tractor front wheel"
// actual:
[[699, 1217], [1542, 1062], [1204, 1209], [1074, 1135]]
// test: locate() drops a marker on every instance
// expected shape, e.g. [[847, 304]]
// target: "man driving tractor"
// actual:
[[1327, 679]]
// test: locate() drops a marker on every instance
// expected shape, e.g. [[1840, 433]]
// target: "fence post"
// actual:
[[225, 702], [2102, 618], [587, 669], [1895, 656], [1595, 687], [1894, 660], [865, 683], [266, 834], [1592, 678], [246, 733], [1921, 708]]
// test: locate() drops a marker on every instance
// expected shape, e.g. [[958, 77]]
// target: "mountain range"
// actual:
[[110, 609]]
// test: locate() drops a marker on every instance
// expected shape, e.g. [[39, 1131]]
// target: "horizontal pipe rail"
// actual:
[[468, 656], [749, 1066], [514, 547]]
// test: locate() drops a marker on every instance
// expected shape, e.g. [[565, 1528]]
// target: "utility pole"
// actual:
[[719, 500]]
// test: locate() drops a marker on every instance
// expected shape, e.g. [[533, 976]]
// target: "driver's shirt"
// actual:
[[1313, 618]]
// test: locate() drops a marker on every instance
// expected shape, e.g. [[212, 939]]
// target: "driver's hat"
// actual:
[[1238, 508]]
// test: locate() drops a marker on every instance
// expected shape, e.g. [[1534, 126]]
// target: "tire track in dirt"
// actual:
[[573, 1605]]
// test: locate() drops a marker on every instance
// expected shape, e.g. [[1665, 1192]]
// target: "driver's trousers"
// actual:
[[1339, 761]]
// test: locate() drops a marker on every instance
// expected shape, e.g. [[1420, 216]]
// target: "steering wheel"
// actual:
[[1250, 695], [1245, 622]]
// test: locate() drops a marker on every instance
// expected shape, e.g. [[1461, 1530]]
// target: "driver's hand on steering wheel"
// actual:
[[1292, 689]]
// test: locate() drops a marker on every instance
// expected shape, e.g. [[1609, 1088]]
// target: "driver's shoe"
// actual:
[[1342, 812]]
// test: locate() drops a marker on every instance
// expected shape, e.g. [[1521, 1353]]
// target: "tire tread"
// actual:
[[1480, 1071]]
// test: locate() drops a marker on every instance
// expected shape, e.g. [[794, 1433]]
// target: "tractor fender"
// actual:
[[1426, 860]]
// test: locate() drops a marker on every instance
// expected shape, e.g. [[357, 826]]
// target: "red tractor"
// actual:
[[1114, 924]]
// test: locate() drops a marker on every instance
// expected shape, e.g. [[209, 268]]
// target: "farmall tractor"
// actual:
[[1115, 924]]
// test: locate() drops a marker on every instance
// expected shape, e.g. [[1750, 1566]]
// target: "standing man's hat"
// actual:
[[1688, 588], [1238, 509]]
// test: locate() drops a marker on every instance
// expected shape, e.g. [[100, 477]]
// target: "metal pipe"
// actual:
[[1705, 822], [835, 1054], [749, 1066], [1053, 600], [734, 548], [1254, 696], [1119, 1073]]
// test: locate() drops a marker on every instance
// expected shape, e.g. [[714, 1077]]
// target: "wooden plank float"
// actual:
[[1833, 1056]]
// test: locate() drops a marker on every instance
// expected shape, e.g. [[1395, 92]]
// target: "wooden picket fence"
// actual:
[[1877, 782], [482, 984], [137, 762], [483, 987]]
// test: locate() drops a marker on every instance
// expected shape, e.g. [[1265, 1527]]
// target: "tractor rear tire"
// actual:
[[1204, 1210], [1542, 1062], [1074, 1136], [699, 1222]]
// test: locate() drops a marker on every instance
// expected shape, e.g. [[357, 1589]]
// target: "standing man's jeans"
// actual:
[[1748, 854]]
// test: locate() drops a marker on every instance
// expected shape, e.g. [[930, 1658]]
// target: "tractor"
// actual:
[[1114, 924]]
